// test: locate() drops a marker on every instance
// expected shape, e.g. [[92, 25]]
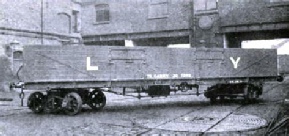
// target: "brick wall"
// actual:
[[21, 21], [242, 12], [6, 74], [132, 16]]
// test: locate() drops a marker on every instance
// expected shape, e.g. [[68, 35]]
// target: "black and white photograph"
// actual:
[[144, 67]]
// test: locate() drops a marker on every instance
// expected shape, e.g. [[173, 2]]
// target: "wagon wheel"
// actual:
[[247, 95], [53, 103], [97, 100], [72, 103], [222, 98], [184, 87], [35, 102], [246, 101], [213, 99]]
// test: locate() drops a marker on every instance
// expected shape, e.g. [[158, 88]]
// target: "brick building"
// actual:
[[242, 20], [145, 22], [209, 23], [27, 21], [204, 23], [151, 22]]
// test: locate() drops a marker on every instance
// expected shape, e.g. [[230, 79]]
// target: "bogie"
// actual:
[[69, 101], [249, 92]]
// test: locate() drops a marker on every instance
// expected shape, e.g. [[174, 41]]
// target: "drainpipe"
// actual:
[[191, 24], [41, 22]]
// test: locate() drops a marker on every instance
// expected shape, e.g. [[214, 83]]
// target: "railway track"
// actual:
[[197, 118], [224, 118], [174, 115], [164, 116]]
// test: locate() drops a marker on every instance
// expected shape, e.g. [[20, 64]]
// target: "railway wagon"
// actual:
[[69, 76]]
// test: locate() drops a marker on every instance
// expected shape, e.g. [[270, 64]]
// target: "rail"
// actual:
[[280, 128]]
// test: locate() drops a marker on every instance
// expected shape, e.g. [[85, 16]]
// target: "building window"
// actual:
[[158, 9], [201, 5], [75, 15], [18, 55], [102, 13]]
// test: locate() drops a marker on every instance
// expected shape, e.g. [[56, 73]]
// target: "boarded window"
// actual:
[[205, 5], [102, 13], [158, 9]]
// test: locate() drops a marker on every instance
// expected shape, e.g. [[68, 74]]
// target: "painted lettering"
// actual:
[[164, 76], [161, 76], [149, 76], [175, 76], [186, 75], [88, 66], [235, 62]]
